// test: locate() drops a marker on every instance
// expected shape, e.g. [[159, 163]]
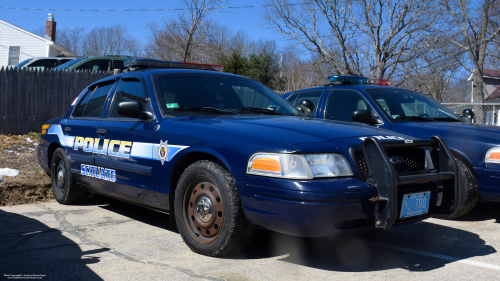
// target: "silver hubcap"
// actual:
[[204, 209], [60, 177]]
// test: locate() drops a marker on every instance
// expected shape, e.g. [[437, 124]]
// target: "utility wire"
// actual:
[[147, 10]]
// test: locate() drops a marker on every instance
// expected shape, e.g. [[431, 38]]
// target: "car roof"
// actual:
[[167, 70], [346, 86], [54, 58]]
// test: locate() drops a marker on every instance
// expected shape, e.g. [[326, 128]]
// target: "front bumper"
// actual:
[[340, 205], [489, 181]]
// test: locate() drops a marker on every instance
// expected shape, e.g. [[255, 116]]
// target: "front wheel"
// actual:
[[208, 211], [469, 191]]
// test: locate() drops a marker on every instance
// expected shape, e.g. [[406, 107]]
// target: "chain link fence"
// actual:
[[485, 113]]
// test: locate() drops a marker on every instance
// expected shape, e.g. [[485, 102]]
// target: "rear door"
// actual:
[[82, 127], [130, 144]]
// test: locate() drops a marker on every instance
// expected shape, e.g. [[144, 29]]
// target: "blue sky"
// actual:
[[247, 19]]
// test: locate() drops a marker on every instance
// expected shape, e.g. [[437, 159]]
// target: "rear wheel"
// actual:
[[64, 187], [469, 192], [208, 211]]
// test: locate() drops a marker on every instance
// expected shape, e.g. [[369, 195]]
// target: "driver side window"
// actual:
[[129, 89], [342, 103]]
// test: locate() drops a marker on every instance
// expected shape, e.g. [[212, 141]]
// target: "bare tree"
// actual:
[[40, 31], [355, 36], [113, 40], [71, 39], [474, 37], [191, 17], [430, 72]]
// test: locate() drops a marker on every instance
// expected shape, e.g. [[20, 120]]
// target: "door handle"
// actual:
[[101, 131], [67, 129]]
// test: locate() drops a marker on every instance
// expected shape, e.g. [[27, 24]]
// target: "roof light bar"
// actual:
[[348, 79], [148, 64], [202, 66], [343, 79]]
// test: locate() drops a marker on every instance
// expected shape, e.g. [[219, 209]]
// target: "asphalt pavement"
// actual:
[[105, 239]]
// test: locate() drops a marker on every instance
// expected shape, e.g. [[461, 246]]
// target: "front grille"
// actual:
[[414, 160]]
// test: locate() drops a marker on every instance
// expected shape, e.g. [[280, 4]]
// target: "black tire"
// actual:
[[469, 192], [64, 187], [223, 232]]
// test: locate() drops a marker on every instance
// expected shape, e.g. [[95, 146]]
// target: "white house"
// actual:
[[17, 44]]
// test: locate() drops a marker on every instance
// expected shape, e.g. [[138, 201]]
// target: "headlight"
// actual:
[[293, 166], [493, 155]]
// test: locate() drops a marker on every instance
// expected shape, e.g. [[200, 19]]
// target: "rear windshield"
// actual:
[[178, 92], [23, 63], [70, 63]]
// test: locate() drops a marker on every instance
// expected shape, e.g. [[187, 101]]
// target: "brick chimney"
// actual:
[[50, 28]]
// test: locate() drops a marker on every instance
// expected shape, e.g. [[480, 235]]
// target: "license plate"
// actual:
[[415, 204]]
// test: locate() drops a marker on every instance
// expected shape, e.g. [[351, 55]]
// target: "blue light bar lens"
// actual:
[[348, 79], [152, 63]]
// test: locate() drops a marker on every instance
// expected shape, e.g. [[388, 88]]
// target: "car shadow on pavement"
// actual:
[[29, 247], [483, 211], [421, 246], [131, 211]]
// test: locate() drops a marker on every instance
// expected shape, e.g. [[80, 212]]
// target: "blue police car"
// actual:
[[373, 102], [204, 147]]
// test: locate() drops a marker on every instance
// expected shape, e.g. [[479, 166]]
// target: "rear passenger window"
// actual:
[[129, 89], [96, 101], [102, 65], [80, 108]]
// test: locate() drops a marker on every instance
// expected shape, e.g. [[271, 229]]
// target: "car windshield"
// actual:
[[402, 105], [23, 63], [209, 94], [70, 63]]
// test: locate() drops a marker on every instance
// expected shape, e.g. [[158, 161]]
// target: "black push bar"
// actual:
[[383, 176]]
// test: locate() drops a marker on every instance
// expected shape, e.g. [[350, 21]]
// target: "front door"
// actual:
[[129, 145]]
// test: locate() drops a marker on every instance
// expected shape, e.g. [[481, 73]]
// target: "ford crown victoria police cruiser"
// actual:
[[357, 99], [204, 147]]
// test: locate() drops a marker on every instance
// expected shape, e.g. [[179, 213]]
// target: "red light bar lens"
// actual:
[[382, 82]]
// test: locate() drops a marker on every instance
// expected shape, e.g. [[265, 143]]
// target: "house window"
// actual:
[[14, 52]]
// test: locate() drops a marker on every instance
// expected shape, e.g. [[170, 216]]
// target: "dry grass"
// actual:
[[32, 184]]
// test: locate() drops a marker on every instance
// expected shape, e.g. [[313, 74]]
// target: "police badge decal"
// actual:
[[163, 151]]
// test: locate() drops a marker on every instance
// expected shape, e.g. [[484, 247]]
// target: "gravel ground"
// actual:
[[32, 184], [110, 240]]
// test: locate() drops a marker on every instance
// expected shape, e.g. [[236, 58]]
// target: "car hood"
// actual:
[[476, 132], [289, 129]]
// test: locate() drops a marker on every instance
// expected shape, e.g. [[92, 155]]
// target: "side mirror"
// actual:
[[307, 106], [363, 116], [133, 109], [468, 114]]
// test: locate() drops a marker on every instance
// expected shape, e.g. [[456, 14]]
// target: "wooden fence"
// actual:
[[28, 98]]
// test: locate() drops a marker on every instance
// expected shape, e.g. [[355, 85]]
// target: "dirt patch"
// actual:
[[32, 184]]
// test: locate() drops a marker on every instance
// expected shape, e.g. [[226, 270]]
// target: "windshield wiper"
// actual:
[[447, 119], [211, 109], [414, 118], [263, 110]]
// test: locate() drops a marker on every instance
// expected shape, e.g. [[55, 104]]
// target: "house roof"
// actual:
[[494, 95], [47, 41], [488, 73]]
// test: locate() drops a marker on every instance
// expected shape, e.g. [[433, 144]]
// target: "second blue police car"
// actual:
[[204, 147], [375, 103]]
